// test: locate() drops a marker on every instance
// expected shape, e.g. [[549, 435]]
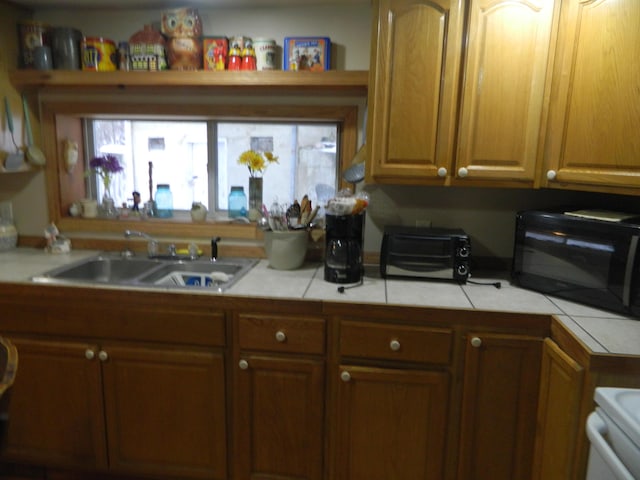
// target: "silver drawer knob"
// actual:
[[89, 354], [394, 345], [476, 342], [463, 172], [281, 336], [442, 172], [551, 175], [243, 364], [345, 376], [103, 356]]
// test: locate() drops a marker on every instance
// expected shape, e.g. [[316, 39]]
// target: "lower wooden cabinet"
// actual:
[[123, 408], [279, 409], [165, 411], [279, 398], [391, 424], [393, 400], [56, 411], [559, 416], [499, 403]]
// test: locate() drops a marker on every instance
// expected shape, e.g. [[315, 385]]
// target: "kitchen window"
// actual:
[[198, 159], [63, 119]]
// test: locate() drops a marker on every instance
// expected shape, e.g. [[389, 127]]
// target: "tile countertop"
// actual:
[[599, 330]]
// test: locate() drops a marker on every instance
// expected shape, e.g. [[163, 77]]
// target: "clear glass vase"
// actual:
[[108, 206], [255, 198]]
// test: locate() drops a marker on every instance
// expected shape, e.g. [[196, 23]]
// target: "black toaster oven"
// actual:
[[425, 252]]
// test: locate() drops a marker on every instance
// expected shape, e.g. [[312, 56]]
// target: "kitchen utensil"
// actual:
[[34, 154], [355, 173], [14, 161]]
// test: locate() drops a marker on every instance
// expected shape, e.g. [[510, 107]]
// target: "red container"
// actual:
[[215, 51]]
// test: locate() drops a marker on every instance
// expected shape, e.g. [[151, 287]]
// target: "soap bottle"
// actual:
[[237, 202]]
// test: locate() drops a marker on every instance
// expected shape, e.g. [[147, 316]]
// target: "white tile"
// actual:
[[620, 336], [574, 309], [265, 281], [372, 290], [516, 300], [583, 335], [432, 294]]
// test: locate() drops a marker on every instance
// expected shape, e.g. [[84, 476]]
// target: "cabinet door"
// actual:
[[391, 424], [165, 411], [413, 86], [504, 84], [561, 382], [499, 403], [593, 136], [279, 418], [56, 410]]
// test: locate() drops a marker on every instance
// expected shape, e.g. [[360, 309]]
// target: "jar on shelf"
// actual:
[[237, 202], [164, 201]]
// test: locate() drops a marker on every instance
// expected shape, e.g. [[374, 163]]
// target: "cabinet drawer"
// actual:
[[291, 334], [396, 342]]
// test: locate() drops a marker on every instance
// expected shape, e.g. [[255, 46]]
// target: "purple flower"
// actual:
[[106, 164], [104, 167]]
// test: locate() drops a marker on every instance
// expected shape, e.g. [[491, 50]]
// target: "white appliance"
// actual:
[[614, 431]]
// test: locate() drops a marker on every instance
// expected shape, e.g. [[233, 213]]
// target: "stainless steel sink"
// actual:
[[220, 274], [109, 269]]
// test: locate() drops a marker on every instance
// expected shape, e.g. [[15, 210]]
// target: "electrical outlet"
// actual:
[[423, 223], [6, 211]]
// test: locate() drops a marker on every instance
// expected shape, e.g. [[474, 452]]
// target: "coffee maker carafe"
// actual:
[[343, 253]]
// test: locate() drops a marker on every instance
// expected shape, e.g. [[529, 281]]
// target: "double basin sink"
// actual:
[[110, 269]]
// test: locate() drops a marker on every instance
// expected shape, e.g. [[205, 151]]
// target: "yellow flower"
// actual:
[[255, 161]]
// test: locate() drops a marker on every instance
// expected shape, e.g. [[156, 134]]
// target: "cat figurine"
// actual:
[[183, 29]]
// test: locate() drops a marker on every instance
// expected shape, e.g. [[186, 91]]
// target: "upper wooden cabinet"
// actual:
[[415, 60], [594, 119], [505, 74], [416, 66]]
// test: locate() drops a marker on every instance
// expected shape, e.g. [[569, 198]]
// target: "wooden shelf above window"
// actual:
[[332, 82]]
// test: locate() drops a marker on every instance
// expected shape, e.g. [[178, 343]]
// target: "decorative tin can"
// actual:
[[146, 50], [99, 54], [123, 56], [265, 53], [32, 34], [307, 53], [214, 51]]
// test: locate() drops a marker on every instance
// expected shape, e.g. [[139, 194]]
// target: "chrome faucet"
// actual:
[[214, 248], [152, 244]]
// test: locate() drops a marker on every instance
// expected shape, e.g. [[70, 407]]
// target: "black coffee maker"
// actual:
[[343, 253]]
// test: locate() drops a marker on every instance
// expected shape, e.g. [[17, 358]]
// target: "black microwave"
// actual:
[[588, 256], [425, 252]]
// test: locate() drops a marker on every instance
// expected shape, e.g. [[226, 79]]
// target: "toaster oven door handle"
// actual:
[[628, 273]]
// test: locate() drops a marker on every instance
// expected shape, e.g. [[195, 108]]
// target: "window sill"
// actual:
[[173, 228]]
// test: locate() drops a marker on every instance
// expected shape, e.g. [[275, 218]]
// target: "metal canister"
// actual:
[[265, 53], [32, 35], [123, 56], [99, 54]]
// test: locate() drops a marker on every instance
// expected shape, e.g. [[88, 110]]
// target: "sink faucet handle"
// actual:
[[214, 248], [152, 248], [193, 251]]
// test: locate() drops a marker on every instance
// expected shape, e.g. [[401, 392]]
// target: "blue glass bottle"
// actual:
[[237, 202], [164, 201]]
